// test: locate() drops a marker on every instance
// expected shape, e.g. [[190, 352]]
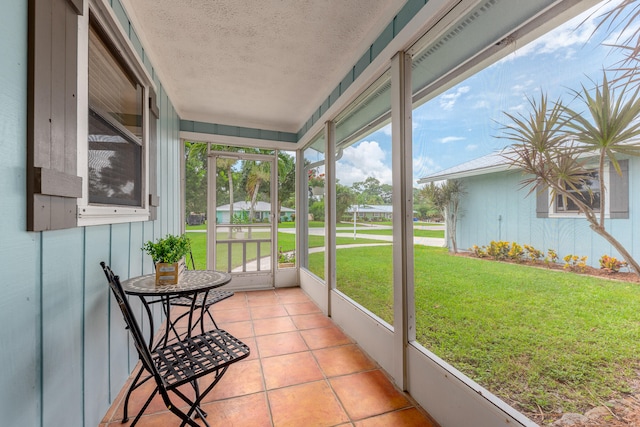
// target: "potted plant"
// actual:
[[168, 256], [286, 260]]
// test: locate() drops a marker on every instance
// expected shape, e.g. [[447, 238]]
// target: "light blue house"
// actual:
[[241, 209], [372, 212], [496, 207], [96, 100]]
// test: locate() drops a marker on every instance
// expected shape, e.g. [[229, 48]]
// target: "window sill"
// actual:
[[573, 215], [100, 215]]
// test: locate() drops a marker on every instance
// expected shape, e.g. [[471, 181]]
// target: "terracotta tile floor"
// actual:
[[302, 371]]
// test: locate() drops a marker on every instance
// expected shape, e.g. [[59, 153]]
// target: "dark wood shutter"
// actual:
[[52, 182], [619, 191], [542, 203], [154, 115]]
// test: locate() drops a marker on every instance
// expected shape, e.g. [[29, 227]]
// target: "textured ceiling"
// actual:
[[264, 64]]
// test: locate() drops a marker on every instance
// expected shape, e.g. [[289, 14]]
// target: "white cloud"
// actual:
[[450, 139], [471, 147], [423, 166], [386, 130], [361, 161], [481, 104], [448, 99], [566, 39]]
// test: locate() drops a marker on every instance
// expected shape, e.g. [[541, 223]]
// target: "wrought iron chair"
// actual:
[[210, 298], [178, 363]]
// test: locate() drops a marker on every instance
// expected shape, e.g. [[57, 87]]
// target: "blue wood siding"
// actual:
[[65, 353], [496, 208]]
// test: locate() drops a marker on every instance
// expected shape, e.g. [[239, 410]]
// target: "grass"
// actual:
[[286, 243], [542, 340], [416, 232]]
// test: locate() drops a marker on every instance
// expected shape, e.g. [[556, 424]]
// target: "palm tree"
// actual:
[[553, 144], [227, 164], [258, 173], [446, 198]]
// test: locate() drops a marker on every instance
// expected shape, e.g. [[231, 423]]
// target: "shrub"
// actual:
[[498, 250], [575, 263], [611, 264], [480, 252], [532, 253], [552, 257], [515, 252]]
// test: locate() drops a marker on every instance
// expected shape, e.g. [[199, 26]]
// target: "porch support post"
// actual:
[[330, 210], [302, 213], [401, 151]]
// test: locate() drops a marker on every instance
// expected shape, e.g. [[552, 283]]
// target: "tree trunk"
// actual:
[[633, 264], [594, 223], [230, 176], [452, 234], [252, 208]]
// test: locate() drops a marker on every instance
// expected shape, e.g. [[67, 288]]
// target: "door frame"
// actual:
[[250, 279]]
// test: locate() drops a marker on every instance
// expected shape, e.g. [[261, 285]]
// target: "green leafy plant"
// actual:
[[516, 252], [611, 264], [498, 250], [552, 257], [286, 257], [532, 253], [168, 249], [575, 262], [478, 251]]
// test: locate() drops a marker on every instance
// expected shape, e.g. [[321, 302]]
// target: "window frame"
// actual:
[[104, 18], [553, 208]]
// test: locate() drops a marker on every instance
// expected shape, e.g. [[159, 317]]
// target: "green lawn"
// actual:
[[286, 243], [416, 232], [540, 339]]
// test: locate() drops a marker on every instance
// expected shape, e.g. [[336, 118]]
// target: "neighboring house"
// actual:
[[497, 207], [372, 212], [242, 209]]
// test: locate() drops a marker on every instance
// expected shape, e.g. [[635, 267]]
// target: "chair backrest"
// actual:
[[131, 322]]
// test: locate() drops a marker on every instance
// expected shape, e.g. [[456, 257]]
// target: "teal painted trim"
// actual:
[[382, 41], [135, 41], [362, 64], [325, 105], [346, 81], [333, 97], [121, 14], [147, 64], [408, 11], [237, 131]]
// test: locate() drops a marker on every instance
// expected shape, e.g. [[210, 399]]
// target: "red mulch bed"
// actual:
[[624, 276]]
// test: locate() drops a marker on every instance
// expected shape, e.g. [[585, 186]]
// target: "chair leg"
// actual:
[[132, 387], [144, 407]]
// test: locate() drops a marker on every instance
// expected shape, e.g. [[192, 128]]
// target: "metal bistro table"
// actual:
[[192, 283]]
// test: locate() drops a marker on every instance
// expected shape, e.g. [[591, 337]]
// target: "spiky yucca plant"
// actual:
[[553, 143]]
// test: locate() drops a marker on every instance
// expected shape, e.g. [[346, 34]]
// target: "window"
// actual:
[[90, 140], [588, 192], [115, 134], [117, 158]]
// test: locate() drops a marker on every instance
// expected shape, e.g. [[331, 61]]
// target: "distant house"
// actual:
[[496, 207], [242, 209], [372, 212]]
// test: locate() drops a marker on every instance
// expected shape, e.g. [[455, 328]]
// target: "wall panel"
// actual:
[[62, 322], [96, 324], [499, 194]]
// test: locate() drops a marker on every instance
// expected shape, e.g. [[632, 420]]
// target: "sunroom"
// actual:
[[113, 96]]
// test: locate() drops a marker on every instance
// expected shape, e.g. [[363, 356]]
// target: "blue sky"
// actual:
[[462, 123]]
